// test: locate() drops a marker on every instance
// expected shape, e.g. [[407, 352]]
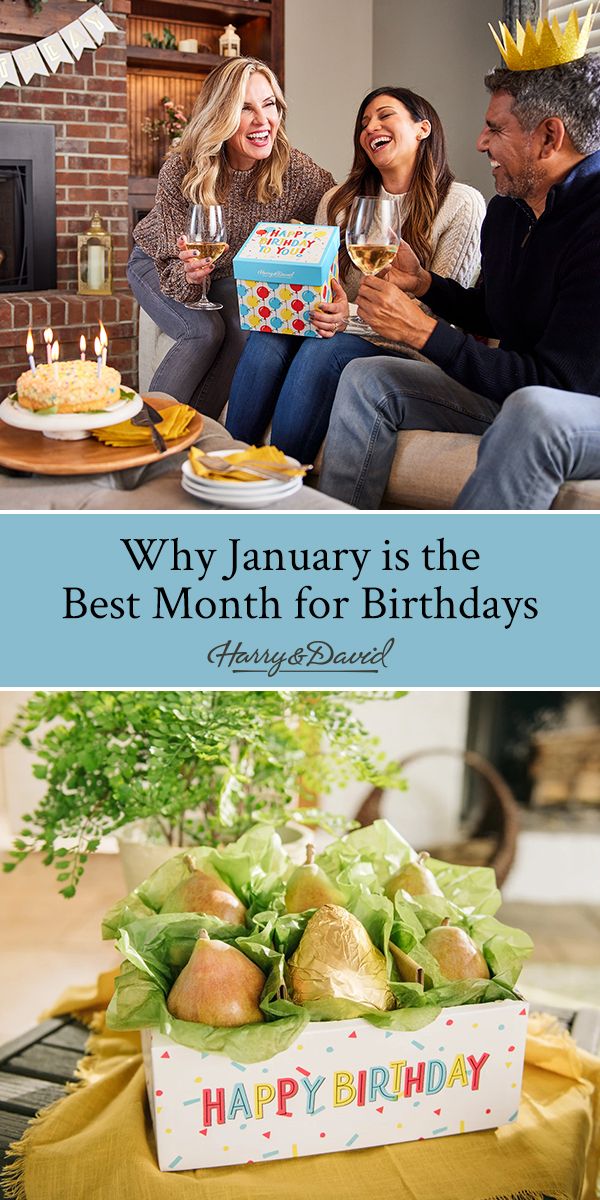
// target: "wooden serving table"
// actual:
[[151, 482]]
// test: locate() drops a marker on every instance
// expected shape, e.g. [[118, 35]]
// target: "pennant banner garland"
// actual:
[[65, 46]]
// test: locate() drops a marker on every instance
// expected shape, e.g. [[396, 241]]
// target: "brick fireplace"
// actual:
[[86, 102]]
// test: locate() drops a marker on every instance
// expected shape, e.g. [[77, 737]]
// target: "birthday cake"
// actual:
[[69, 387]]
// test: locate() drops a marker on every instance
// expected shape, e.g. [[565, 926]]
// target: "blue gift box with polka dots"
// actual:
[[282, 272]]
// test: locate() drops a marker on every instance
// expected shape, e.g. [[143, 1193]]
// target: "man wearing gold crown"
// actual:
[[535, 395]]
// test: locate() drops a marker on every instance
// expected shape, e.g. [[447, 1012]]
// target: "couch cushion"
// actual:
[[579, 493], [153, 345], [429, 469]]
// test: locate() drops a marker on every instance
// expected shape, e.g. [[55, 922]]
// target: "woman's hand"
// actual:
[[328, 319], [196, 268], [407, 273]]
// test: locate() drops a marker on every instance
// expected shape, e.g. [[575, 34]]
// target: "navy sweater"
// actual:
[[539, 294]]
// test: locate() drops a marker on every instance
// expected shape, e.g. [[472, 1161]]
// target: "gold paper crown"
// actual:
[[547, 45]]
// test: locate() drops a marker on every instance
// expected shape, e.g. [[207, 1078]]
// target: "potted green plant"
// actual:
[[184, 768]]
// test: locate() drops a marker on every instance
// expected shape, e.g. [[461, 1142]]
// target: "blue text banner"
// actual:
[[299, 600]]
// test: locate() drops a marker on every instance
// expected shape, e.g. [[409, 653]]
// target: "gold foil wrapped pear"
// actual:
[[336, 971]]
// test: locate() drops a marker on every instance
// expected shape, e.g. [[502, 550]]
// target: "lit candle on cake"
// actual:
[[82, 348], [98, 353], [48, 338], [54, 356], [29, 349], [103, 343]]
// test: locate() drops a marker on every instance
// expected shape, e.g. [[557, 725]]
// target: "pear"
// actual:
[[413, 877], [456, 952], [336, 960], [205, 893], [309, 887], [219, 986]]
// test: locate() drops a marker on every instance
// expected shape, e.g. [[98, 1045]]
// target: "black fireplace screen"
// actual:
[[15, 226], [27, 207]]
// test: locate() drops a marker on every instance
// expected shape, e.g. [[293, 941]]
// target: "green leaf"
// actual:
[[201, 767]]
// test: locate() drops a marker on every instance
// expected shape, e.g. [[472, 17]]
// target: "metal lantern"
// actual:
[[229, 43], [94, 260]]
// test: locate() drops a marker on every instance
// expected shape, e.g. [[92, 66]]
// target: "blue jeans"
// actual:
[[290, 381], [199, 368], [540, 438], [374, 401]]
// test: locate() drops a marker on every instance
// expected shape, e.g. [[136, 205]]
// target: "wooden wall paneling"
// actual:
[[206, 35], [277, 43], [255, 39], [145, 93], [17, 17]]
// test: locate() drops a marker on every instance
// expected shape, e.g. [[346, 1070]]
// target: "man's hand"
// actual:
[[407, 273], [389, 312]]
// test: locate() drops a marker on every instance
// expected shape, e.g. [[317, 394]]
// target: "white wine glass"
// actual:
[[206, 233], [373, 234]]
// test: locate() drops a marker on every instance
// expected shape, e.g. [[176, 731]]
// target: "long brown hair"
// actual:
[[429, 185], [215, 118]]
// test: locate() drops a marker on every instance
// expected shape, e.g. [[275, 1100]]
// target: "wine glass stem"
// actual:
[[204, 286]]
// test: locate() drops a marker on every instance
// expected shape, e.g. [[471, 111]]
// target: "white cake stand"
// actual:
[[69, 427]]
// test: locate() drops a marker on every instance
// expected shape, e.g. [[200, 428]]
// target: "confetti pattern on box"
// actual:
[[283, 273], [355, 1079], [280, 308]]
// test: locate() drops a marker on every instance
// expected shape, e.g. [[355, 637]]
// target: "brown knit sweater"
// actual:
[[303, 185]]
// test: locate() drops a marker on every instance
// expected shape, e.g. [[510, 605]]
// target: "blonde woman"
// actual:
[[234, 152]]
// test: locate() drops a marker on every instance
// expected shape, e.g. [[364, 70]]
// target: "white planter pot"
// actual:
[[140, 857], [295, 839]]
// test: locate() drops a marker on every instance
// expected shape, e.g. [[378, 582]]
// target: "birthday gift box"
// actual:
[[340, 1085], [282, 272], [363, 1040]]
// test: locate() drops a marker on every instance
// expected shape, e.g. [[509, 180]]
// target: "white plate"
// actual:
[[246, 486], [235, 485], [67, 423], [211, 493], [232, 494], [237, 500]]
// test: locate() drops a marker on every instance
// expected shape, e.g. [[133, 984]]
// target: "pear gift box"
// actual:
[[341, 1085], [362, 999]]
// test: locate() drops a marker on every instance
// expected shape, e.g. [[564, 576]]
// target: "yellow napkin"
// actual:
[[98, 1141], [174, 422], [260, 456]]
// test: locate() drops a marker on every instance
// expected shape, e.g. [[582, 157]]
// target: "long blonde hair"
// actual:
[[216, 117]]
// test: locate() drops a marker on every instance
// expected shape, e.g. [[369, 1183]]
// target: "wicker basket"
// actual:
[[492, 839]]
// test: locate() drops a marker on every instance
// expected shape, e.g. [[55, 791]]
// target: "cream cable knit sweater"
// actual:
[[455, 239]]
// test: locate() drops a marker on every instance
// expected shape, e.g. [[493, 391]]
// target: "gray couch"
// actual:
[[429, 468]]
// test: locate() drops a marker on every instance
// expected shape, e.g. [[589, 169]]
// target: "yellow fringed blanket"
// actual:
[[97, 1143]]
